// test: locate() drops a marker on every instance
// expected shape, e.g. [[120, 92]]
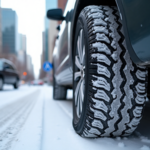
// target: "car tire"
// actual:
[[59, 92], [16, 85], [1, 84], [109, 90]]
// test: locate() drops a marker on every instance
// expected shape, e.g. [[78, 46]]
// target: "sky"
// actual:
[[31, 15]]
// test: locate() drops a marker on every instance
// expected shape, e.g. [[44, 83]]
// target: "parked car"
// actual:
[[102, 52], [8, 74]]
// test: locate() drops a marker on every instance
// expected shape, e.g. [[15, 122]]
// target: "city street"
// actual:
[[31, 120]]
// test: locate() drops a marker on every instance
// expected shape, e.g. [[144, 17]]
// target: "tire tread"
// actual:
[[116, 98]]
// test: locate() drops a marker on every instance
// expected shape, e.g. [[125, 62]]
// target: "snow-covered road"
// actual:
[[31, 120]]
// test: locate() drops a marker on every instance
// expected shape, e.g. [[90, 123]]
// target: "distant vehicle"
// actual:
[[37, 82], [8, 74], [102, 52]]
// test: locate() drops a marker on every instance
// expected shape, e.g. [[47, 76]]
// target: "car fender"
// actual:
[[136, 25], [136, 31]]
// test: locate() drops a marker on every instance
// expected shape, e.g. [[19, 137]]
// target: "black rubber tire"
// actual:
[[59, 92], [115, 88], [1, 85], [16, 85]]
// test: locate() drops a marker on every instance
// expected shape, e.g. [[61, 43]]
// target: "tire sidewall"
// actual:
[[16, 85], [81, 24]]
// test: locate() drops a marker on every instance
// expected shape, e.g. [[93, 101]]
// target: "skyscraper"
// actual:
[[62, 4], [22, 55], [50, 4], [0, 30], [9, 31], [51, 38]]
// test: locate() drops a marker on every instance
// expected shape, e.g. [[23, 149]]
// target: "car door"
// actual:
[[6, 72], [9, 73], [12, 73], [62, 58]]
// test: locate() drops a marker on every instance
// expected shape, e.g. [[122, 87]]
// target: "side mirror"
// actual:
[[55, 14]]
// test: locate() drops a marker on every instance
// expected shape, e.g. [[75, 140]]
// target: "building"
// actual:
[[0, 31], [51, 38], [49, 5], [9, 31], [22, 42], [25, 61], [52, 33], [29, 64], [50, 28], [30, 69], [22, 49], [62, 4], [22, 55], [9, 36], [42, 73]]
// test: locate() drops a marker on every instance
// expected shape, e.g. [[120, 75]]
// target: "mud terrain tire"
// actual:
[[16, 85], [114, 87]]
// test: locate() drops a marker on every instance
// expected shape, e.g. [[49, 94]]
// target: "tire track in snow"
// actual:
[[13, 117]]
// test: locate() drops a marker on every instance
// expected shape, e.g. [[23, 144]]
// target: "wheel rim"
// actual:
[[79, 74]]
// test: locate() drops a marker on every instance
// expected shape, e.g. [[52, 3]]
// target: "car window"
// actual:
[[11, 67], [8, 66]]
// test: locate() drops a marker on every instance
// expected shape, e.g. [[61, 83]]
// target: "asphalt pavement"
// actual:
[[31, 120]]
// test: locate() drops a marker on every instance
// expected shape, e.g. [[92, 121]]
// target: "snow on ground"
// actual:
[[37, 122], [30, 136], [9, 94], [59, 133]]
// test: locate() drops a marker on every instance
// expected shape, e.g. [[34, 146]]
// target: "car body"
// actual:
[[99, 42], [8, 73], [136, 29]]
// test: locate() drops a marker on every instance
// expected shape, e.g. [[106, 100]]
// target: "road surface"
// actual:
[[31, 120]]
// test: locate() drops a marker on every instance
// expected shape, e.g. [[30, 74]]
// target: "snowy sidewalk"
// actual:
[[10, 95]]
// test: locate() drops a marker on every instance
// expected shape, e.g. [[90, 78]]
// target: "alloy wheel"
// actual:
[[79, 74]]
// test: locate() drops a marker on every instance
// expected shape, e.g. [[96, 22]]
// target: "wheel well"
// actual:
[[83, 3]]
